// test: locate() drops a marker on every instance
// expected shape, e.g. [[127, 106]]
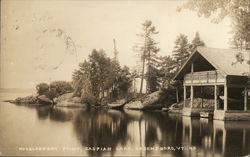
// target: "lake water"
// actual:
[[79, 132]]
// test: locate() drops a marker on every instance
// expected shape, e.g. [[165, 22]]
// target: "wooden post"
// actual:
[[192, 71], [207, 78], [225, 98], [184, 96], [177, 94], [245, 99], [201, 96], [216, 76], [191, 96], [215, 97]]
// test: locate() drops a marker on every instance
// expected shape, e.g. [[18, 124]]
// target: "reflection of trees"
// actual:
[[43, 112], [61, 115], [54, 113], [102, 128], [170, 131], [99, 128]]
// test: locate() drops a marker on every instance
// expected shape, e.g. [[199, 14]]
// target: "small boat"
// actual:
[[206, 114]]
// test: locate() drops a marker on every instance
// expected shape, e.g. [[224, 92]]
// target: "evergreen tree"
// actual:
[[181, 51], [147, 52], [166, 70], [152, 78], [134, 76], [196, 42], [100, 79]]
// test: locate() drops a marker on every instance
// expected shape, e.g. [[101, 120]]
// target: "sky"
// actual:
[[43, 41]]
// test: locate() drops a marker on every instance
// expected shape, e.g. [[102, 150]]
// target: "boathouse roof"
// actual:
[[223, 60]]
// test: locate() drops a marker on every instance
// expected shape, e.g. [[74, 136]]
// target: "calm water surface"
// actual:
[[76, 132]]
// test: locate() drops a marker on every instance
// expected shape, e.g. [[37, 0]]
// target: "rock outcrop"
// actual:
[[68, 100], [44, 100], [31, 99], [151, 101]]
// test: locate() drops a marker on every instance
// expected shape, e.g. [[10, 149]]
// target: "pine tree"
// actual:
[[100, 79], [196, 42], [181, 51], [147, 52], [166, 70]]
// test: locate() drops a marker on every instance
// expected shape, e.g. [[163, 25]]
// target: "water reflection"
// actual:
[[54, 113], [234, 137], [114, 129], [101, 128], [217, 138]]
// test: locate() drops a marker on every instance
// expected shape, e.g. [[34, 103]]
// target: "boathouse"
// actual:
[[217, 83]]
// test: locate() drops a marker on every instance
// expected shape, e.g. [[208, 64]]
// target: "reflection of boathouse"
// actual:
[[214, 82]]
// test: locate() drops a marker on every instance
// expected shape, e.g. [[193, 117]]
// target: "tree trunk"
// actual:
[[134, 84], [142, 75], [148, 73]]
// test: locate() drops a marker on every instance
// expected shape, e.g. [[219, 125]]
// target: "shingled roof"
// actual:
[[223, 60]]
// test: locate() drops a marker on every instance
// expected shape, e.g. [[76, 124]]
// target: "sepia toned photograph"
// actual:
[[120, 78]]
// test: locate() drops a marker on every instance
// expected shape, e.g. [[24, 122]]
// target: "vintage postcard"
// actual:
[[125, 78]]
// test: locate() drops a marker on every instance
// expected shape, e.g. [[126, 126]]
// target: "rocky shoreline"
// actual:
[[65, 100], [154, 101]]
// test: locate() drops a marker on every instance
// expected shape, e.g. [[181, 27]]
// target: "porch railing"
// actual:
[[204, 77]]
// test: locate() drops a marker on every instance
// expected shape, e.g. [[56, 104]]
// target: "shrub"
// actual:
[[42, 88], [55, 89], [60, 87]]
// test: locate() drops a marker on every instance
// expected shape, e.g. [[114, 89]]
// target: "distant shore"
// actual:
[[18, 90]]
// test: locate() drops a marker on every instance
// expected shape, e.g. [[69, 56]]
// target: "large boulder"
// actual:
[[68, 100], [151, 101], [134, 105], [43, 99], [63, 97]]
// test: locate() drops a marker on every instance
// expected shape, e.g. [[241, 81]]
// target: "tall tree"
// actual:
[[100, 78], [134, 76], [166, 70], [153, 82], [147, 51], [181, 51], [115, 50], [196, 42], [241, 29]]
